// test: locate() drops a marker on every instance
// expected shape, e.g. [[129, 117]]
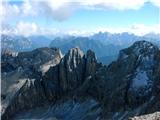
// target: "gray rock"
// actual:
[[70, 69], [24, 66], [30, 95], [88, 109], [153, 116]]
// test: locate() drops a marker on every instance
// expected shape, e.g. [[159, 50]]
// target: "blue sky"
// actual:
[[83, 17], [147, 15]]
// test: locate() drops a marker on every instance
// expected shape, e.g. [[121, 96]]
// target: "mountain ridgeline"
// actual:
[[105, 45], [85, 43], [75, 86]]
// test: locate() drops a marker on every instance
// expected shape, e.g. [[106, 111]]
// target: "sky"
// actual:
[[79, 17]]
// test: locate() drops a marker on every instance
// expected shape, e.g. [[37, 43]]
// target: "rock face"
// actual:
[[70, 73], [135, 67], [127, 87], [21, 75], [130, 80], [69, 110], [70, 70], [153, 116], [39, 59], [31, 94]]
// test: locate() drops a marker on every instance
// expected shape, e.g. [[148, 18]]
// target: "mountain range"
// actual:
[[45, 84]]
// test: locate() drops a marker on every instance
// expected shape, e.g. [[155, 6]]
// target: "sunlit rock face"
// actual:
[[152, 116], [76, 86], [21, 75]]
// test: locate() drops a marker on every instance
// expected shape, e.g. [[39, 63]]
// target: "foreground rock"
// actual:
[[153, 116], [68, 110]]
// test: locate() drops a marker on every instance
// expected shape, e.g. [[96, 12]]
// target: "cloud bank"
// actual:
[[61, 10], [28, 29]]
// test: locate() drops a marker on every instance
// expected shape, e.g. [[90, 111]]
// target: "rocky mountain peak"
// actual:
[[143, 44], [142, 54], [75, 52], [73, 58], [91, 63], [144, 47], [90, 54], [139, 48], [8, 52], [136, 67]]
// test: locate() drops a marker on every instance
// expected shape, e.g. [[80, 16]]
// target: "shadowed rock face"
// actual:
[[127, 87], [68, 110], [70, 74], [133, 73]]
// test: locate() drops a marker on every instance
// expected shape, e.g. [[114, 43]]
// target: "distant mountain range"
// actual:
[[86, 43], [124, 39], [105, 45], [16, 43], [21, 43]]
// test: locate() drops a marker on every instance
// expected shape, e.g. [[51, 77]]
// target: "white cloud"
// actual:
[[114, 4], [21, 28], [140, 29], [28, 8], [155, 2], [54, 9], [58, 10], [8, 11], [28, 29]]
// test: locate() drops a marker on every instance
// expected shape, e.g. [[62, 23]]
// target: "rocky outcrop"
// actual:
[[70, 73], [7, 60], [91, 63], [39, 59], [130, 79], [153, 116], [68, 110], [71, 70], [30, 95], [21, 85]]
